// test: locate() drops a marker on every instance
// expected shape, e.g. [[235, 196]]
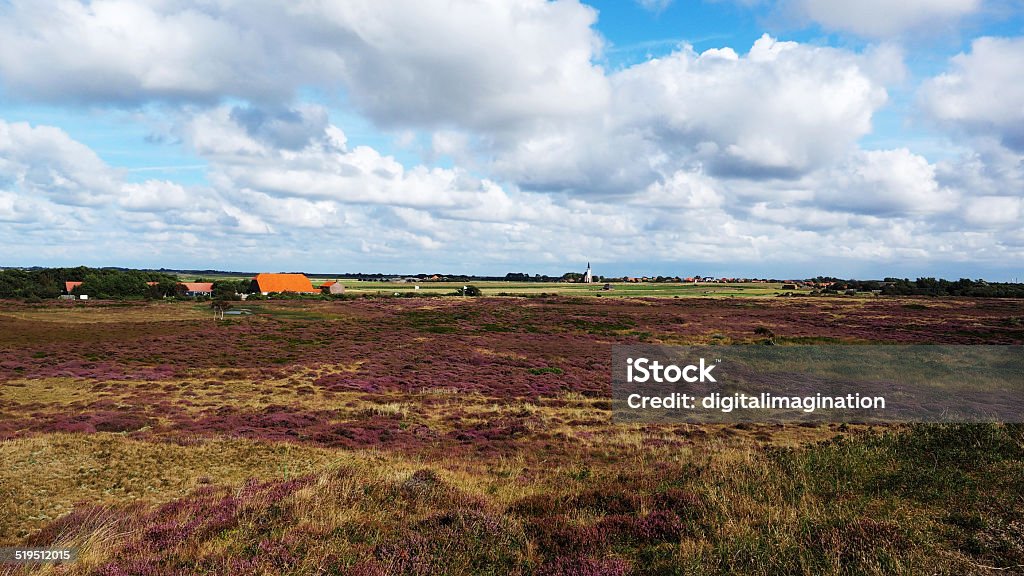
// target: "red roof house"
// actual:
[[197, 288]]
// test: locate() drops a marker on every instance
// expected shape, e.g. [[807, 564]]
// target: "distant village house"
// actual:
[[193, 289], [332, 287]]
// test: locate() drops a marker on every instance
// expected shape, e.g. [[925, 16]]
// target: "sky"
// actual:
[[746, 138]]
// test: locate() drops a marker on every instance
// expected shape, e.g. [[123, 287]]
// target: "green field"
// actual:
[[619, 290], [493, 288]]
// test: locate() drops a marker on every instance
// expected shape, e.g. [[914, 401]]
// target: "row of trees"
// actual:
[[929, 287], [106, 283], [98, 282]]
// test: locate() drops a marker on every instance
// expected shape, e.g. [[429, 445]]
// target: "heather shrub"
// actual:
[[122, 422], [585, 566]]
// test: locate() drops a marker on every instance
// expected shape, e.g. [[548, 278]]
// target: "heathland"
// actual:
[[452, 435]]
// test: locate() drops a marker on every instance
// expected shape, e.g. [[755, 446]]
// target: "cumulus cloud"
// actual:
[[516, 81], [995, 211], [982, 93], [720, 155], [883, 18], [485, 65], [479, 64], [885, 182], [323, 168], [121, 50], [781, 109], [44, 162], [52, 183], [258, 212], [154, 196]]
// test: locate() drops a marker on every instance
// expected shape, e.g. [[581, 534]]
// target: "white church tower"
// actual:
[[588, 277]]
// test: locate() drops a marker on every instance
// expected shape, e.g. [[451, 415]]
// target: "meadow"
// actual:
[[428, 435], [619, 289], [526, 289]]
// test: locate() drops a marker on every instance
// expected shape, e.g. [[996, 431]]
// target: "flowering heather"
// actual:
[[472, 436], [577, 566], [499, 346]]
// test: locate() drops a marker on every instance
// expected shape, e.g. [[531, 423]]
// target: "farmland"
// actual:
[[619, 289], [501, 288], [457, 435]]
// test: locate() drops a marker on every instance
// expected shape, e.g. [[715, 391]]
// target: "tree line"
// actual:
[[927, 287], [104, 283]]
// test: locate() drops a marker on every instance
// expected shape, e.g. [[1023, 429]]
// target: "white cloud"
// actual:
[[718, 156], [982, 93], [883, 18], [44, 162], [487, 65], [273, 202], [682, 190], [885, 182], [154, 196], [782, 110], [323, 169], [514, 82], [121, 50], [995, 211], [656, 6]]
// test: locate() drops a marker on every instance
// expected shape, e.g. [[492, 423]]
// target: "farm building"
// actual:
[[196, 288], [267, 283], [333, 287], [69, 286]]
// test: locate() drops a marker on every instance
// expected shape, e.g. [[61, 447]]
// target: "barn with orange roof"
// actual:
[[298, 283]]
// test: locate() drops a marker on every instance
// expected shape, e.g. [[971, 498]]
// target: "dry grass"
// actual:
[[228, 471], [103, 312], [721, 507], [42, 477]]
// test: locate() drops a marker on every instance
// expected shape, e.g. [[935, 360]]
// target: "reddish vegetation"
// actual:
[[506, 348], [426, 343], [515, 387]]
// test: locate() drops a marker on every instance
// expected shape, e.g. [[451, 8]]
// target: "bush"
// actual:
[[468, 291]]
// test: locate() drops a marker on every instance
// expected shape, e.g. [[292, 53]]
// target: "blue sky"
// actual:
[[725, 137]]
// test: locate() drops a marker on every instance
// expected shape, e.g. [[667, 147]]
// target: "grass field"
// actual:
[[473, 436], [493, 288], [619, 290]]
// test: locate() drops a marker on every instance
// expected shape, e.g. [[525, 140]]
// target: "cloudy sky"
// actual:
[[725, 137]]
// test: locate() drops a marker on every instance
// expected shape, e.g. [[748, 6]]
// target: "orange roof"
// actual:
[[197, 286], [152, 283], [284, 283], [69, 286]]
